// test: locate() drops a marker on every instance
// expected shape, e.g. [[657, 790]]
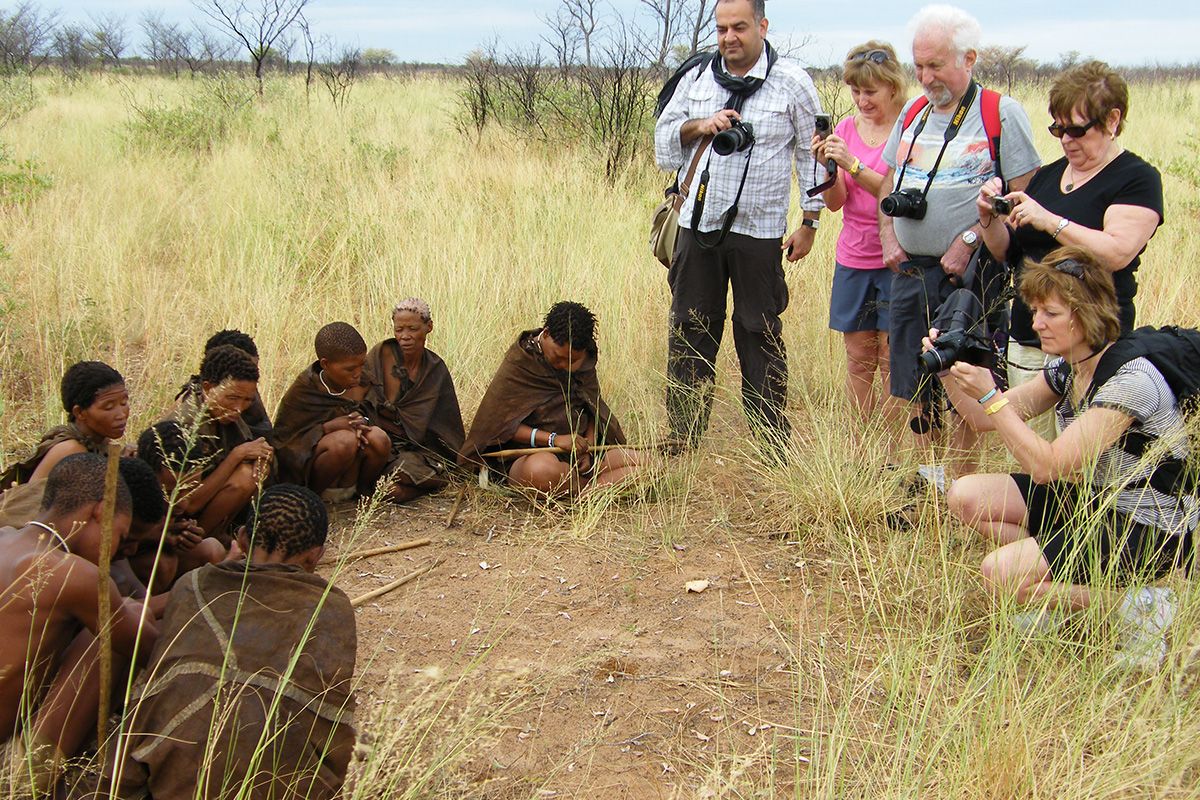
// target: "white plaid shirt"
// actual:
[[781, 113]]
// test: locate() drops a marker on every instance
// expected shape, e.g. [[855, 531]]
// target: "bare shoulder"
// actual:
[[56, 454]]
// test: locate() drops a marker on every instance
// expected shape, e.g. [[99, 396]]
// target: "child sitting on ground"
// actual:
[[323, 435]]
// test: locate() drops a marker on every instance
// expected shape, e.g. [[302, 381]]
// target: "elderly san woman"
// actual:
[[414, 401], [1082, 514], [545, 396], [1098, 195], [858, 303]]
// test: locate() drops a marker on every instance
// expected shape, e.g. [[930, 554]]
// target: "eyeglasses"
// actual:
[[874, 56], [1074, 131], [1070, 267]]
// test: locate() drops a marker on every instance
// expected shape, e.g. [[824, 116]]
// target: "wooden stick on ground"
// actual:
[[600, 448], [396, 584], [104, 619], [378, 551], [458, 501]]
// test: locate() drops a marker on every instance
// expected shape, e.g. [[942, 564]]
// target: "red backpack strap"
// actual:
[[990, 108], [916, 108]]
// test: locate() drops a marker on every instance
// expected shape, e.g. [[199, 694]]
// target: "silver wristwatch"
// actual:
[[970, 238]]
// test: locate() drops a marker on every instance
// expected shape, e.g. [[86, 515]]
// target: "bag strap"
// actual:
[[916, 108], [989, 107], [686, 186]]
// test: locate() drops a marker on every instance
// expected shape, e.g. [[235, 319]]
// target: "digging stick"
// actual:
[[458, 501], [104, 619], [396, 584], [600, 448], [378, 551]]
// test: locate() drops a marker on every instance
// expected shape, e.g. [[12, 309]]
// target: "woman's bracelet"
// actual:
[[996, 406], [533, 437], [553, 436], [1062, 225], [989, 395]]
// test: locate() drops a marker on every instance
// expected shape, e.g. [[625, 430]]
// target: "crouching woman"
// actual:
[[1084, 512]]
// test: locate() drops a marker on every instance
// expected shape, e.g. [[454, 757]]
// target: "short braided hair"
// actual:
[[572, 324], [234, 337], [83, 381], [149, 502], [78, 480], [288, 518], [226, 362], [339, 340]]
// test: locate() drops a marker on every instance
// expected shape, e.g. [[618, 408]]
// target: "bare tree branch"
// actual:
[[257, 24]]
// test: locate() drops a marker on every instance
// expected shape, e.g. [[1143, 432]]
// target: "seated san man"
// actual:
[[323, 435], [97, 406], [249, 690], [255, 417], [414, 400], [227, 462], [546, 395], [49, 601]]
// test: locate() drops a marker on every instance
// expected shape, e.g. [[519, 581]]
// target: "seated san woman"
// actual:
[[546, 394], [415, 402], [97, 406], [1084, 513]]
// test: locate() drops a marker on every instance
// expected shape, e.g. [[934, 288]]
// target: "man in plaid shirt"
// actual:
[[776, 97]]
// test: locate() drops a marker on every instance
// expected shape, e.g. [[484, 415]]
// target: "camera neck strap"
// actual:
[[952, 129], [740, 90]]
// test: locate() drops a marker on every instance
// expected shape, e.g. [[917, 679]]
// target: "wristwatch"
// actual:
[[970, 238], [856, 168], [811, 223]]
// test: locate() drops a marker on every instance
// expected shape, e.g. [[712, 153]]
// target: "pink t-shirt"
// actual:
[[858, 245]]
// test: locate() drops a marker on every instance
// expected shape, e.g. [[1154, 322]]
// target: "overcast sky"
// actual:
[[1118, 31]]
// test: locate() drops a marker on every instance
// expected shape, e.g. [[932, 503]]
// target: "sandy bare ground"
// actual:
[[623, 683]]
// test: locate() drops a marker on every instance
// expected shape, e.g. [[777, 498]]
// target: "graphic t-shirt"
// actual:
[[966, 165]]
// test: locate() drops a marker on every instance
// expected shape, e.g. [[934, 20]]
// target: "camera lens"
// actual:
[[726, 141], [931, 362]]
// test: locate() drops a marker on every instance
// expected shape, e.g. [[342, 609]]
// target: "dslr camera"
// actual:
[[734, 139], [909, 203], [962, 335]]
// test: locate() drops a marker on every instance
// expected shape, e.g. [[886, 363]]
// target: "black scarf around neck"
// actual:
[[741, 88]]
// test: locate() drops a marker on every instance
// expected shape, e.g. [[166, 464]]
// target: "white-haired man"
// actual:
[[939, 153], [733, 223]]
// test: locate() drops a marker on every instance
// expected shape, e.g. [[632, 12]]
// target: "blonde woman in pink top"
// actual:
[[861, 283]]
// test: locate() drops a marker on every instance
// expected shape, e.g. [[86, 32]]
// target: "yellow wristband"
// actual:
[[856, 168], [996, 406]]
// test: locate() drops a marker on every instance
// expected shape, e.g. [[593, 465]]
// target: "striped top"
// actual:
[[1140, 391]]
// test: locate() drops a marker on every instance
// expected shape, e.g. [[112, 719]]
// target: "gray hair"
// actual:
[[416, 305], [962, 29]]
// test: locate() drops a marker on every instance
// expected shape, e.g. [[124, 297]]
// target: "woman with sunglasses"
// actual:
[[861, 282], [1098, 196], [1083, 515]]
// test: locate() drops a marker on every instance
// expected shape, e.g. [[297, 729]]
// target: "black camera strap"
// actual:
[[956, 121], [740, 91]]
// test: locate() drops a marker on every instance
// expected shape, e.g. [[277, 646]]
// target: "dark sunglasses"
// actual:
[[874, 56], [1070, 267], [1074, 131]]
